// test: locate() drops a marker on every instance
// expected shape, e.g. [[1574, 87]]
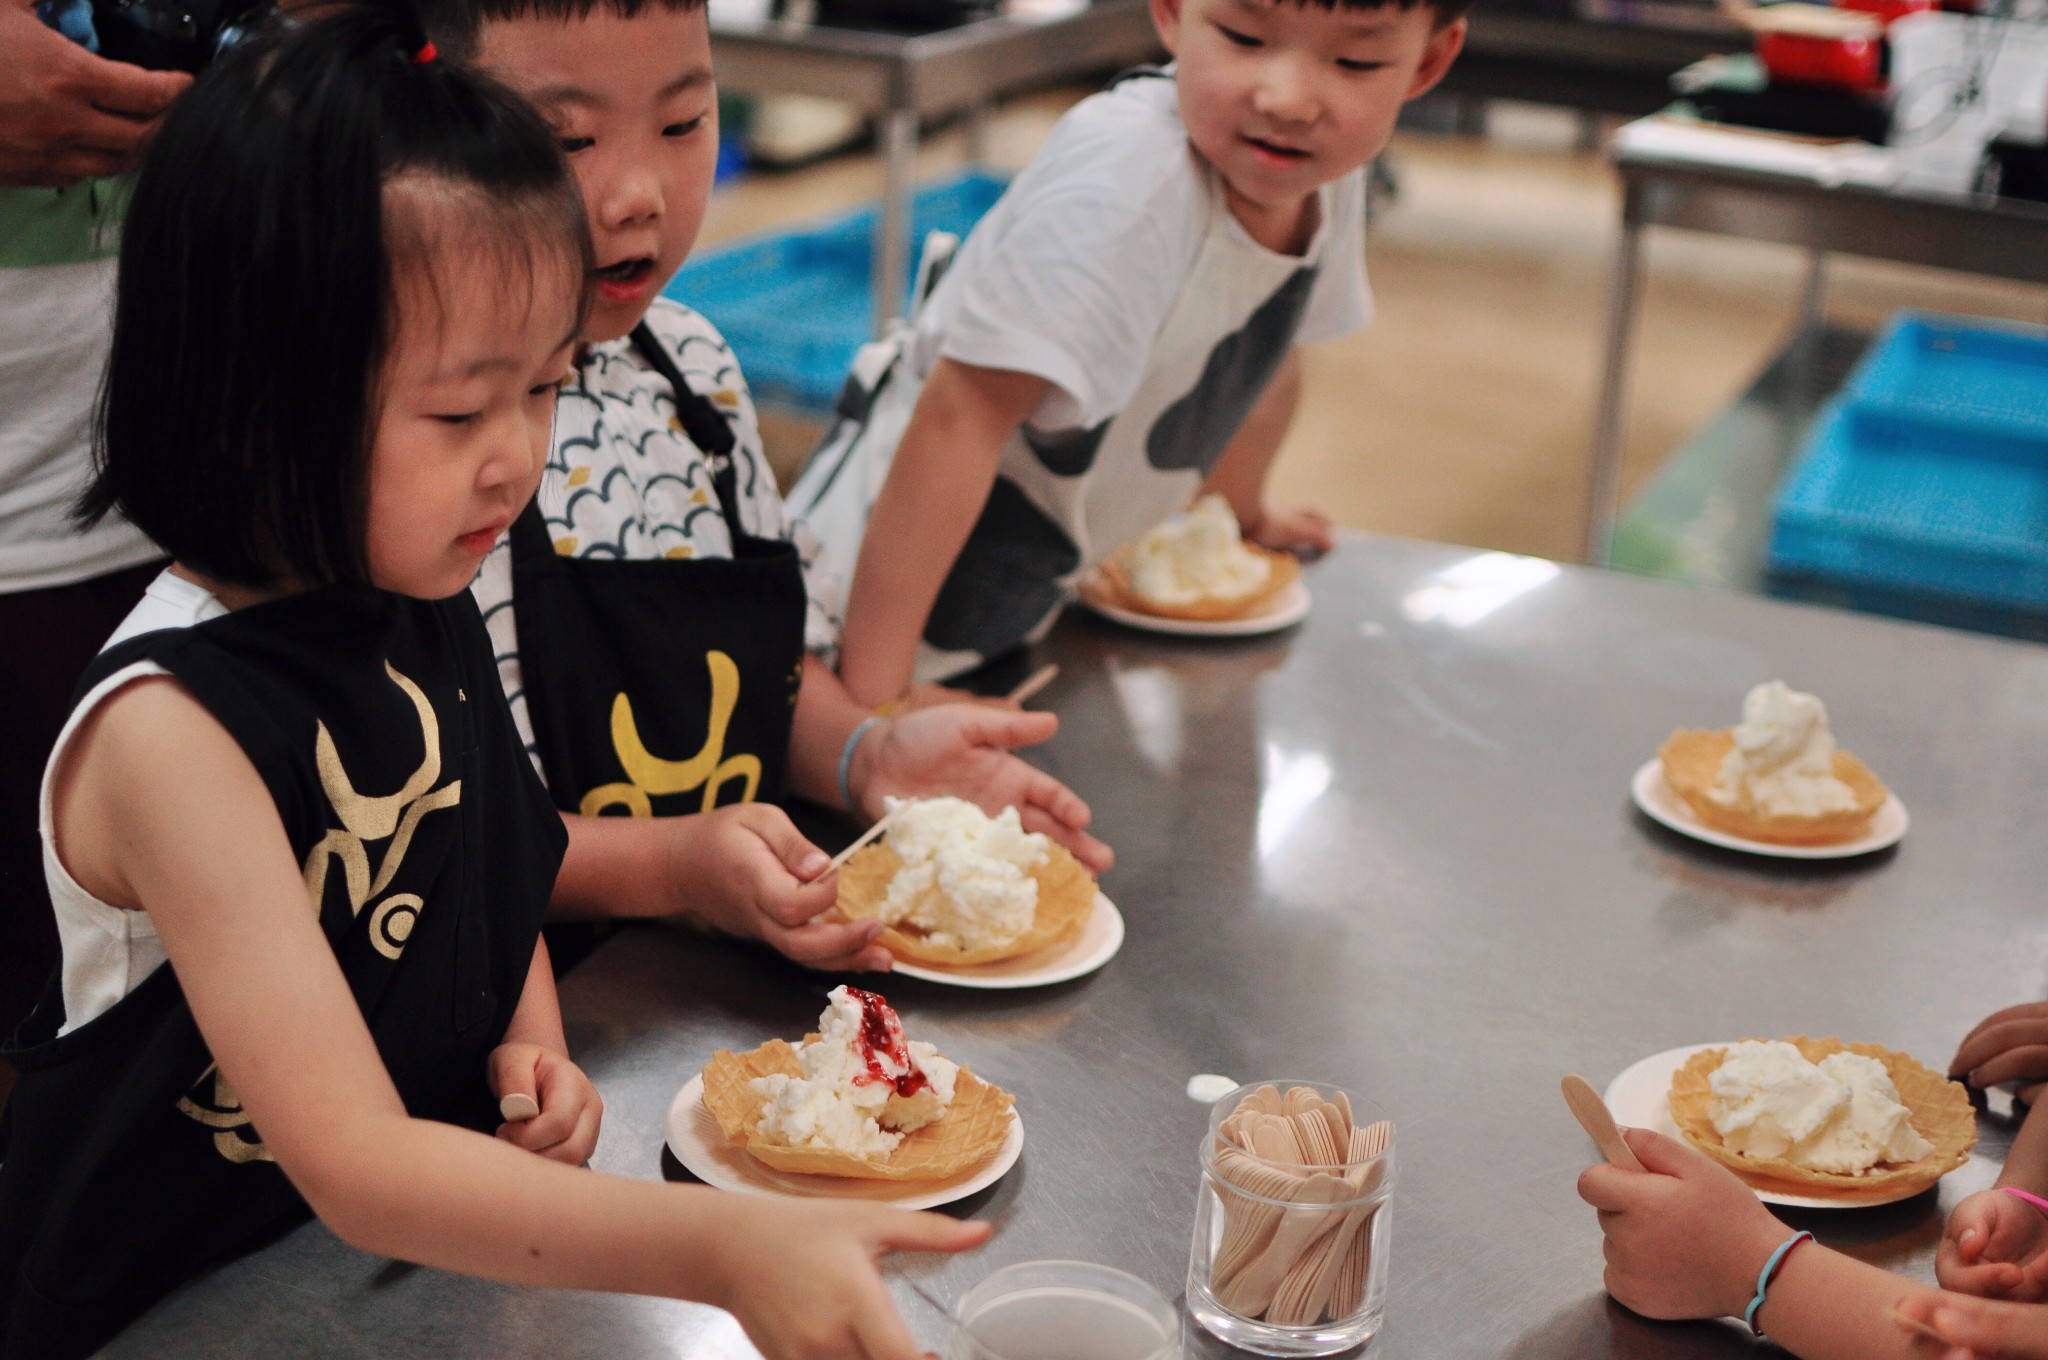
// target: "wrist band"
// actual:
[[846, 757], [2017, 1193], [1767, 1274]]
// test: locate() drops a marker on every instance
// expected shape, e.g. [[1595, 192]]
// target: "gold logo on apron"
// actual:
[[364, 818], [648, 776], [212, 1102]]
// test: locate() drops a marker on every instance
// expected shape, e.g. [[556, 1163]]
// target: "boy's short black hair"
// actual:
[[1447, 11], [457, 26], [258, 268]]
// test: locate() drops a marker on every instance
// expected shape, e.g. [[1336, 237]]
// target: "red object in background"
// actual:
[[1844, 63], [1888, 10]]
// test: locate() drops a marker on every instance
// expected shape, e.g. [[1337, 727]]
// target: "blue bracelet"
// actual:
[[1763, 1278], [846, 757]]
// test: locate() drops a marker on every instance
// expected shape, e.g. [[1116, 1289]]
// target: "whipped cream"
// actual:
[[1196, 555], [864, 1084], [1841, 1115], [966, 879], [1783, 762]]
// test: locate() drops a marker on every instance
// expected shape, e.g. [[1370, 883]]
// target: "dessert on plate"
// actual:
[[1775, 776], [957, 887], [857, 1099], [1194, 566], [1818, 1116]]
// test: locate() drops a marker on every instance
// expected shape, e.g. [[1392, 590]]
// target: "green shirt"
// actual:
[[71, 225]]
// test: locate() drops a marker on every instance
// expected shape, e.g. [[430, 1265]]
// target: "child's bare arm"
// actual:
[[164, 809], [533, 1061], [936, 489], [962, 749], [1686, 1239], [1240, 475], [744, 869]]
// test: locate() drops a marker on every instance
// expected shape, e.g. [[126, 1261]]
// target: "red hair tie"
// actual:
[[425, 55]]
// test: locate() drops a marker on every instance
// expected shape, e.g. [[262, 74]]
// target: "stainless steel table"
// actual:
[[1974, 233], [1391, 849], [903, 79]]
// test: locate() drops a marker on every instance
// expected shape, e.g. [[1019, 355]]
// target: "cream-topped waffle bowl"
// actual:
[[1065, 894], [856, 1105], [1939, 1110], [1641, 1096], [1776, 776]]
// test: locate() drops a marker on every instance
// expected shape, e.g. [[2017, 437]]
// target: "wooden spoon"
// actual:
[[1598, 1122]]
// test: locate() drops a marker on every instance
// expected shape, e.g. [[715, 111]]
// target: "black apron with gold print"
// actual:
[[429, 850], [662, 686]]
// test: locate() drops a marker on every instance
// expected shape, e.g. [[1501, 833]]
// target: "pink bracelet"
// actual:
[[2035, 1200]]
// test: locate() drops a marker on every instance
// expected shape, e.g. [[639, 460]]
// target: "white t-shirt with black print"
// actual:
[[1113, 269], [625, 482]]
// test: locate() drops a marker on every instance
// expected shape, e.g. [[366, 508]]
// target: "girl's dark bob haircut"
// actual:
[[258, 272]]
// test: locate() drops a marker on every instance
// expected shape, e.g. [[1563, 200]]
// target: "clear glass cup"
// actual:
[[1290, 1254], [1063, 1310]]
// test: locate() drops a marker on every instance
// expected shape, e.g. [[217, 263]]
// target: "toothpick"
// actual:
[[1917, 1326], [1035, 682], [877, 829]]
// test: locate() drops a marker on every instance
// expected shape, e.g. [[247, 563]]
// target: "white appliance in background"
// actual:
[[1957, 82]]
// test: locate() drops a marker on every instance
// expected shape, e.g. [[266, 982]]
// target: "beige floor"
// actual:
[[1465, 411]]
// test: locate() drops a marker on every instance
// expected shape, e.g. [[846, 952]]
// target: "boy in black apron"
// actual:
[[663, 628]]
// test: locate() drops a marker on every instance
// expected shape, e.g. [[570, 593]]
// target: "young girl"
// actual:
[[351, 280], [1687, 1239]]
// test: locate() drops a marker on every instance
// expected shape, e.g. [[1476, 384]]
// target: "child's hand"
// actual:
[[1684, 1239], [1995, 1246], [927, 695], [823, 1254], [747, 870], [1301, 531], [964, 750], [2007, 1045], [571, 1111], [1977, 1329]]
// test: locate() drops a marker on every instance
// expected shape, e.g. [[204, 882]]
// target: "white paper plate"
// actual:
[[1661, 804], [694, 1137], [1640, 1098], [1102, 934], [1284, 610]]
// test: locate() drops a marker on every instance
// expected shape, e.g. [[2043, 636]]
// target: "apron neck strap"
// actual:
[[701, 421]]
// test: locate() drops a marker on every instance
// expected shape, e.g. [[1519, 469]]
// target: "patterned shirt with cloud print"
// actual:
[[625, 482]]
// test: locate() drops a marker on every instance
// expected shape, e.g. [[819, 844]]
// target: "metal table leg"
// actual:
[[892, 247], [979, 114], [1604, 484]]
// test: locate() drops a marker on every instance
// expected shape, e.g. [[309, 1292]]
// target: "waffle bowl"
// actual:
[[1111, 584], [1692, 761], [971, 1130], [1939, 1108], [1066, 896]]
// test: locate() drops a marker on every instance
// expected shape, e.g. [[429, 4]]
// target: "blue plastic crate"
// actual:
[[1945, 374], [795, 304], [1916, 508]]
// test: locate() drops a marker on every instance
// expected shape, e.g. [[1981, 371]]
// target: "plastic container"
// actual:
[[795, 304], [1854, 63], [1064, 1310], [1929, 474]]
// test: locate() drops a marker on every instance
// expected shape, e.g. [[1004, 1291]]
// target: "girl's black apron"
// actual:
[[429, 849], [662, 686]]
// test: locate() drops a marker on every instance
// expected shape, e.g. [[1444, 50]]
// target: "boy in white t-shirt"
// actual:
[[1119, 331]]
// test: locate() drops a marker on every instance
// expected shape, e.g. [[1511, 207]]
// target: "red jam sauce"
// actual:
[[884, 1047]]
